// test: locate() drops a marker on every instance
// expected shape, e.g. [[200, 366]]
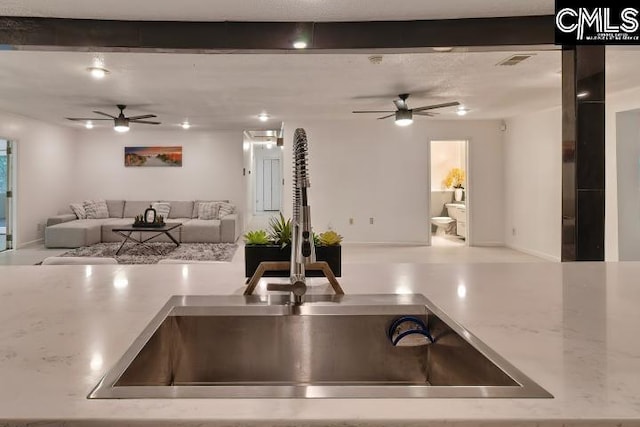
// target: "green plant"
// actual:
[[257, 237], [280, 230], [329, 238]]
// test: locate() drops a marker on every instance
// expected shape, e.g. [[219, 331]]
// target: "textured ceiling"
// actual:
[[275, 10], [229, 91]]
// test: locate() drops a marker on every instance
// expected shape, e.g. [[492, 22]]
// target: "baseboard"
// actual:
[[487, 244], [32, 242], [386, 243], [534, 253]]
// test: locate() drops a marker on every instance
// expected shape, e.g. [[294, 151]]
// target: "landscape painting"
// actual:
[[153, 156]]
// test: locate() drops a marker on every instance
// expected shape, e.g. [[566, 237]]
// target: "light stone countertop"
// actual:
[[572, 328]]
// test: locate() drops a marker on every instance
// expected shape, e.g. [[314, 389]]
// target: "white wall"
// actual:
[[362, 169], [211, 166], [533, 178], [616, 103], [44, 172]]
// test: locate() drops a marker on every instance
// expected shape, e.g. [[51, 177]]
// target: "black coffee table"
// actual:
[[127, 233]]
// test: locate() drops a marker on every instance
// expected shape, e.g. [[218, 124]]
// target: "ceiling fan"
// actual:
[[120, 122], [403, 114]]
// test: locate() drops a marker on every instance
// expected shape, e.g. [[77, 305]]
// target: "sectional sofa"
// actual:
[[67, 231]]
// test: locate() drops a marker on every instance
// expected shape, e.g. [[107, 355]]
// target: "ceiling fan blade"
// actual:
[[401, 104], [83, 119], [423, 113], [373, 111], [146, 116], [144, 122], [386, 117], [104, 114], [431, 107]]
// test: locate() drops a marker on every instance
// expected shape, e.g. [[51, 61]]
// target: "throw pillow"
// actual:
[[162, 209], [208, 210], [78, 210], [225, 209], [96, 209]]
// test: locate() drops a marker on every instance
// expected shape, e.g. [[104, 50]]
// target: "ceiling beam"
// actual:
[[28, 33]]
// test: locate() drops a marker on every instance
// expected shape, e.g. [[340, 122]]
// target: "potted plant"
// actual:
[[274, 244], [455, 178]]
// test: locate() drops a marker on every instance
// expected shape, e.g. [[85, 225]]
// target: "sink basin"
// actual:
[[330, 347]]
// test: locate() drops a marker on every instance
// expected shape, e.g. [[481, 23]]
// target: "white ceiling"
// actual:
[[275, 10], [229, 91]]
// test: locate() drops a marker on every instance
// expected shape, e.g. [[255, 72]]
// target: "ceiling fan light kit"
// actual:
[[403, 114], [404, 117], [120, 122]]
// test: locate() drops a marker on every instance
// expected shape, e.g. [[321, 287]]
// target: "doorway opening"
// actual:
[[448, 207], [6, 195], [264, 159]]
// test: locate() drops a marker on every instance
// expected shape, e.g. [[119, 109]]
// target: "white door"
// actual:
[[269, 185]]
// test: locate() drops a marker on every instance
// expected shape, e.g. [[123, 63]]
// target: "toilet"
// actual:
[[443, 223]]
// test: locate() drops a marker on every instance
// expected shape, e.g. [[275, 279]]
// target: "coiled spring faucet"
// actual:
[[302, 248]]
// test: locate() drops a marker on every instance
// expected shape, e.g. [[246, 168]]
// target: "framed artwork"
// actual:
[[153, 156]]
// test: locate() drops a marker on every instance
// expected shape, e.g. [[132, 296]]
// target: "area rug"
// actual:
[[154, 252]]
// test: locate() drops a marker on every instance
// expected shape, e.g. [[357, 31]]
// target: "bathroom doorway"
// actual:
[[6, 195], [448, 207]]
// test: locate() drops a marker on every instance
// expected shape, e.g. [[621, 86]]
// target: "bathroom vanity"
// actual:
[[458, 211], [566, 326]]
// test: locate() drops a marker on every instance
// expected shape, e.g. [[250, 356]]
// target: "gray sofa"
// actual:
[[66, 231]]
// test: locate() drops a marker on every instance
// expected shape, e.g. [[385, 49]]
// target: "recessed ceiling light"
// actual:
[[300, 44], [461, 111], [89, 124], [442, 49], [185, 125], [98, 72], [583, 94], [263, 117]]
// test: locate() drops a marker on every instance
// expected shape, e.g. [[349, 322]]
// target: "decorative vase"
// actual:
[[457, 194], [150, 215]]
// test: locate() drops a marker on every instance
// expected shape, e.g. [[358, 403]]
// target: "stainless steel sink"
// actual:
[[330, 347]]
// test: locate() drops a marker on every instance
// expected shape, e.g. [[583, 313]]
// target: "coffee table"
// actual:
[[127, 233]]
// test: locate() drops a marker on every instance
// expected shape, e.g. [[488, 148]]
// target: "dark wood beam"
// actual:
[[107, 35]]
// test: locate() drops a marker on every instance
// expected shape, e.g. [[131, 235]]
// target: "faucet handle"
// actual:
[[279, 287], [298, 288]]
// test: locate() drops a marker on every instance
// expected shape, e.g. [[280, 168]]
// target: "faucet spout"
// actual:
[[302, 247]]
